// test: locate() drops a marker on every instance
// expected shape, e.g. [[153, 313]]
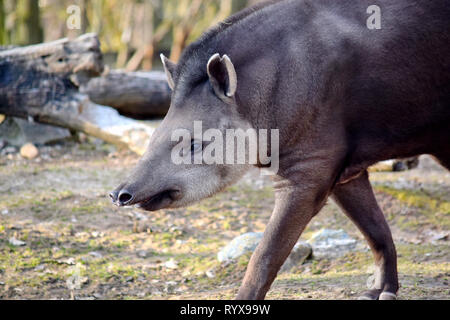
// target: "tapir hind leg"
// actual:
[[357, 200]]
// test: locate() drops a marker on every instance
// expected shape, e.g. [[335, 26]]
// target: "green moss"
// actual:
[[417, 199], [434, 209]]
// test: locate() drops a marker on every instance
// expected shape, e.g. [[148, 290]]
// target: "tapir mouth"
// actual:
[[160, 200]]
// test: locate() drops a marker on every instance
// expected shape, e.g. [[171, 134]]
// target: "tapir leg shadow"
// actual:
[[357, 200]]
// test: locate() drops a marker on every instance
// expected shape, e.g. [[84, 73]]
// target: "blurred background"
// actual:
[[131, 31]]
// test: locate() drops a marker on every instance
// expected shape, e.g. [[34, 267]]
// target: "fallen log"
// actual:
[[140, 95], [80, 58], [41, 83]]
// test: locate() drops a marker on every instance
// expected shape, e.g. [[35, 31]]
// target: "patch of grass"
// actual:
[[89, 208], [417, 199], [435, 209]]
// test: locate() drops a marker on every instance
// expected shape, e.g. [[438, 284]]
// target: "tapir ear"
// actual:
[[169, 68], [222, 75]]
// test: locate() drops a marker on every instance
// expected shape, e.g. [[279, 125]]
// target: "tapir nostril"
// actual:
[[124, 197]]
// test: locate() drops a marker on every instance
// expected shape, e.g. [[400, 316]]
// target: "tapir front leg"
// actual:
[[294, 208], [357, 200]]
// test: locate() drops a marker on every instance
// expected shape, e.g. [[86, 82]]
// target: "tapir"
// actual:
[[343, 90]]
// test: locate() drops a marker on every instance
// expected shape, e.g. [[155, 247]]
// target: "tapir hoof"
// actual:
[[377, 294], [387, 296]]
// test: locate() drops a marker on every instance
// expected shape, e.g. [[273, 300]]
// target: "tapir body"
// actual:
[[343, 96]]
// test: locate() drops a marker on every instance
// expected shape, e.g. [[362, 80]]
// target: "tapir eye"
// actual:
[[195, 146]]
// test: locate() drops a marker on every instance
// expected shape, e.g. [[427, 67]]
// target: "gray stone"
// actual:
[[8, 150], [327, 243], [248, 242], [96, 254], [17, 243], [210, 274], [17, 132], [142, 254], [240, 245], [171, 264], [301, 251]]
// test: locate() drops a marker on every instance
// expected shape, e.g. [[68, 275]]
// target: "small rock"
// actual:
[[8, 151], [170, 286], [440, 236], [40, 267], [95, 254], [327, 243], [181, 289], [186, 273], [69, 261], [240, 245], [175, 229], [29, 151], [19, 131], [96, 234], [156, 292], [249, 241], [171, 264], [48, 271], [301, 251], [142, 254], [17, 243], [5, 212]]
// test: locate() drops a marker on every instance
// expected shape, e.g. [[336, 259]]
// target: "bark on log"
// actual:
[[140, 95], [62, 58], [41, 82]]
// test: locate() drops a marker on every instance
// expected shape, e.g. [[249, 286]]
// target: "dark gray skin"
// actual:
[[343, 97]]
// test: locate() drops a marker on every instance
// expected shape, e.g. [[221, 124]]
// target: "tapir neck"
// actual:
[[269, 58]]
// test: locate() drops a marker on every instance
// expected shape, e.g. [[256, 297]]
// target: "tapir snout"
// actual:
[[123, 197]]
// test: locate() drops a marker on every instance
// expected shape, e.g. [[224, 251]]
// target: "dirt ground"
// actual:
[[77, 245]]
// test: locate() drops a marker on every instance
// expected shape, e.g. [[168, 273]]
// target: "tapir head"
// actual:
[[206, 97]]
